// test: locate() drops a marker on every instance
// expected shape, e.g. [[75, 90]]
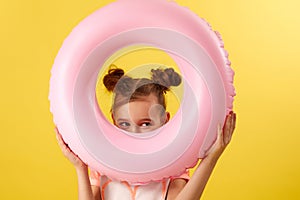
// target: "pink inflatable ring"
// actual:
[[207, 99]]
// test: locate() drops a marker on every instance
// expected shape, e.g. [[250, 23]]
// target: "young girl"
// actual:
[[139, 106]]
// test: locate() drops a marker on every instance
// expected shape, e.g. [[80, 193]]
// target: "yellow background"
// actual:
[[263, 40]]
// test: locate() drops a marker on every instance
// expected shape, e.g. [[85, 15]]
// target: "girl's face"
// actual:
[[141, 116]]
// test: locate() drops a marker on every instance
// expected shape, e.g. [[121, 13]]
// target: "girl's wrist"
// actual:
[[213, 156], [81, 168]]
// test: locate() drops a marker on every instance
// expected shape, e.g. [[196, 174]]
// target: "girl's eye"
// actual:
[[146, 124], [124, 124]]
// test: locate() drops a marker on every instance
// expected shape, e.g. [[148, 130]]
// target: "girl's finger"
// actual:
[[232, 127], [59, 139], [231, 124], [227, 133], [220, 132], [58, 135], [234, 120], [61, 142], [56, 130], [227, 124]]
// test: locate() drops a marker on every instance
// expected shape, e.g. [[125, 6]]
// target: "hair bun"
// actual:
[[112, 77], [166, 78]]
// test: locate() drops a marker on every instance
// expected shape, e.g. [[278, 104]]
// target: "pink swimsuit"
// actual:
[[115, 190]]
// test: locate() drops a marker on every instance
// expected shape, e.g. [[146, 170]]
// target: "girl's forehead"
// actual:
[[152, 98], [138, 109], [139, 103]]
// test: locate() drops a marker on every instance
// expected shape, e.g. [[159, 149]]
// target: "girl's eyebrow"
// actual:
[[144, 120], [123, 119]]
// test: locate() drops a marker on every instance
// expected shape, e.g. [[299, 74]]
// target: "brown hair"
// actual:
[[127, 89]]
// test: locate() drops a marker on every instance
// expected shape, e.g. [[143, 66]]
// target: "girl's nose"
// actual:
[[135, 129]]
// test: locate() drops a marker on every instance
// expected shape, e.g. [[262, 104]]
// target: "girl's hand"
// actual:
[[68, 153], [224, 136]]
